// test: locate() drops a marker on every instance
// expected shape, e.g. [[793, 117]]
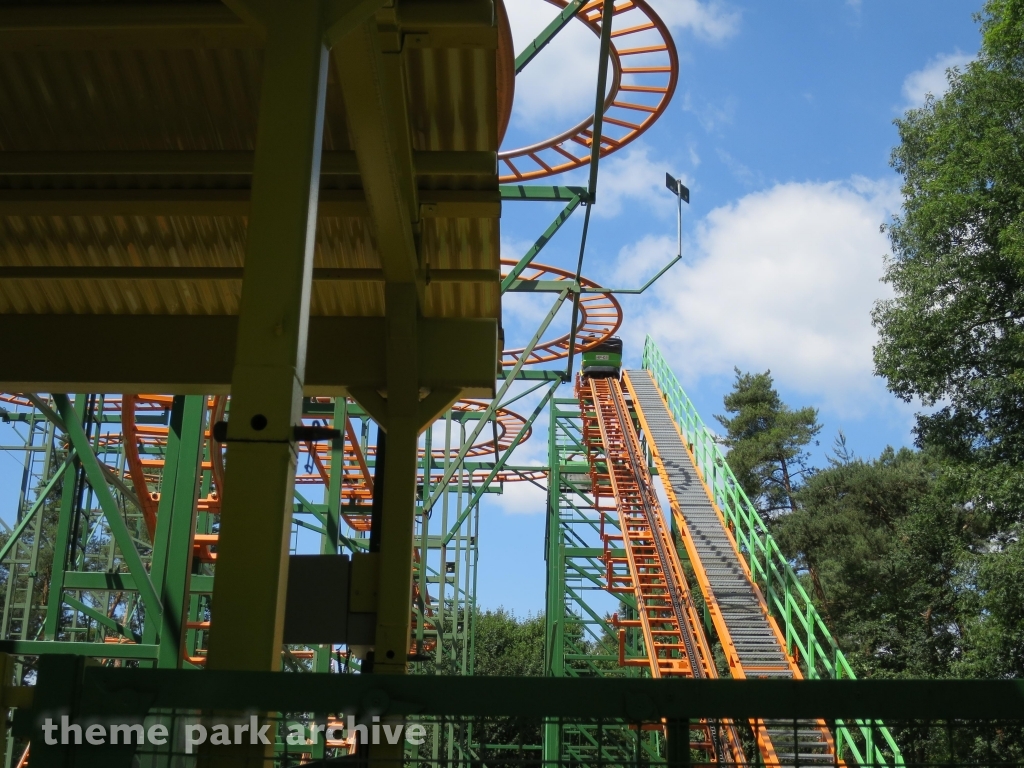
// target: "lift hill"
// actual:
[[673, 639]]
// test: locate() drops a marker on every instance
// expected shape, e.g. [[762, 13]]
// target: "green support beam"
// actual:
[[231, 25], [229, 274], [554, 590], [378, 123], [537, 45], [41, 497], [101, 618], [331, 539], [62, 542], [333, 203], [541, 193], [492, 407], [121, 582], [536, 248], [626, 700], [499, 465], [344, 353], [220, 163], [176, 520], [111, 511], [92, 650]]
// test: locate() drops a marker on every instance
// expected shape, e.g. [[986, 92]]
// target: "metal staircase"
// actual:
[[672, 637], [750, 637]]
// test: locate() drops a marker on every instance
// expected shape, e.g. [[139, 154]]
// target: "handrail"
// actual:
[[806, 635]]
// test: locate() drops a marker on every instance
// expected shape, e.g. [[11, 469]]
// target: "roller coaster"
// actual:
[[127, 514]]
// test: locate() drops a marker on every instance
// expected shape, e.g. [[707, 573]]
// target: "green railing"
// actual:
[[490, 722], [806, 634]]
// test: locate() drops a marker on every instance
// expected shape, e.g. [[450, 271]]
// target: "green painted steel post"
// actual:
[[331, 540], [811, 643], [421, 571], [176, 518], [789, 620], [62, 543], [398, 517], [111, 511], [554, 614], [192, 635], [443, 586]]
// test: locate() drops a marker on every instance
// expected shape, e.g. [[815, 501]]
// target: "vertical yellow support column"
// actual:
[[266, 386], [394, 608]]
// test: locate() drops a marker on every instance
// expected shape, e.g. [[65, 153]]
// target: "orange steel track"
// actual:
[[673, 639], [644, 72], [762, 730], [600, 317], [144, 466]]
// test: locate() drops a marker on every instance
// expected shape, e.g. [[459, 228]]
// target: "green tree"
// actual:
[[766, 441], [508, 646], [882, 550], [953, 333], [994, 628]]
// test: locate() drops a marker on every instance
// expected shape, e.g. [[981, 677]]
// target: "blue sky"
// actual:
[[782, 127]]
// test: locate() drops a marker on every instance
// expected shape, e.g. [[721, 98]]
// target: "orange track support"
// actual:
[[766, 733], [673, 639]]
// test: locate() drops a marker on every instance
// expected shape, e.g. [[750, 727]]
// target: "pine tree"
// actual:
[[766, 442]]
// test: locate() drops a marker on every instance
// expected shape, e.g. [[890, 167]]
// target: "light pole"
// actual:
[[682, 195]]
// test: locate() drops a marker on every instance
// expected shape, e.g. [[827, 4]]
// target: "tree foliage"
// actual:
[[881, 550], [766, 441], [953, 333], [508, 646]]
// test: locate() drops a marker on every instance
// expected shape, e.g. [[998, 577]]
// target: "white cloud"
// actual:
[[637, 262], [932, 78], [630, 174], [713, 21], [782, 279], [739, 171], [556, 90], [711, 116], [521, 498]]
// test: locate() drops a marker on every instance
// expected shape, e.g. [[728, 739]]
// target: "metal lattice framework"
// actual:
[[600, 316]]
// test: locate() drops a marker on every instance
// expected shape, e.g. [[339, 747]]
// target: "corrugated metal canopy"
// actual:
[[126, 141]]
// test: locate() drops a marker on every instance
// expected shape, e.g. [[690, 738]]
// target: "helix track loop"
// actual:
[[643, 76], [600, 317]]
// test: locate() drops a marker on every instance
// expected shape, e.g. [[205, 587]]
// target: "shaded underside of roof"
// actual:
[[127, 135]]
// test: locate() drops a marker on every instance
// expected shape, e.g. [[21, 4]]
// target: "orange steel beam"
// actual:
[[673, 639], [642, 36], [737, 669]]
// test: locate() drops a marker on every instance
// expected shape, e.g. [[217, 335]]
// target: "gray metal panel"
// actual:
[[316, 610]]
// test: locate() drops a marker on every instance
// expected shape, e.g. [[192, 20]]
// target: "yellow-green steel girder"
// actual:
[[195, 355], [247, 612]]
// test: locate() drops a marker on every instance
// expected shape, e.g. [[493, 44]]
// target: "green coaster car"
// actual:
[[603, 360]]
